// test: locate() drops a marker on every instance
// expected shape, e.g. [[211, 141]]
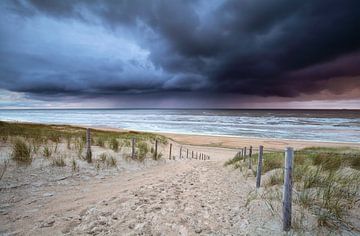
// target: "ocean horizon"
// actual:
[[300, 124]]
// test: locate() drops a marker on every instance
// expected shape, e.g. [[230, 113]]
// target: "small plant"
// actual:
[[21, 152], [100, 142], [97, 166], [68, 142], [305, 198], [355, 162], [47, 152], [234, 160], [114, 144], [79, 146], [102, 157], [276, 178], [74, 165], [3, 168], [111, 161], [59, 161], [273, 160], [143, 150]]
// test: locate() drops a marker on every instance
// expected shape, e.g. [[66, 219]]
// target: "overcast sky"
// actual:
[[173, 53]]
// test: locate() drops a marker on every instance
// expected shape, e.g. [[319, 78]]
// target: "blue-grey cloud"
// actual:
[[258, 47]]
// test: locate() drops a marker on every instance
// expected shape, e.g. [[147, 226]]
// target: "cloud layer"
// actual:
[[263, 48]]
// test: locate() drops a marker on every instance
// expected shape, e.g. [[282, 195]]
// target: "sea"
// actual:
[[316, 125]]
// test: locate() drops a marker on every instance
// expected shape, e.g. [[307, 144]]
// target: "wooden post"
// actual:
[[259, 167], [88, 146], [156, 150], [133, 148], [170, 151], [196, 155], [244, 154], [187, 153], [287, 194], [250, 153], [180, 152], [192, 154]]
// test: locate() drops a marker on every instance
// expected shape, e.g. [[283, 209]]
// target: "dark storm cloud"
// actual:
[[250, 47]]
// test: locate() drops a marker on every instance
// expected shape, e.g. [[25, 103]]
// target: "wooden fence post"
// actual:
[[250, 153], [88, 146], [170, 151], [187, 153], [156, 149], [180, 152], [259, 167], [133, 148], [196, 155], [287, 194], [192, 154], [244, 154]]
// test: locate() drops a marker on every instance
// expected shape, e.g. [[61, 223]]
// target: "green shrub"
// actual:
[[21, 152]]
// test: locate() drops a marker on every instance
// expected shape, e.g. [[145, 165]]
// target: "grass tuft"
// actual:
[[59, 161], [114, 144], [21, 152]]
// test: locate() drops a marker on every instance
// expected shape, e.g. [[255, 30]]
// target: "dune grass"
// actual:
[[56, 133], [326, 180], [21, 152], [29, 139]]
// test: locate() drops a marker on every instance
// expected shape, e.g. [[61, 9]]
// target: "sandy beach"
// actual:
[[185, 196]]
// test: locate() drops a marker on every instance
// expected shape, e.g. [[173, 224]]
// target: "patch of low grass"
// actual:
[[74, 165], [3, 168], [111, 161], [21, 152], [79, 147], [143, 150], [272, 160], [100, 141], [59, 161], [47, 152], [234, 160], [114, 144], [105, 159], [326, 181], [276, 178], [102, 157]]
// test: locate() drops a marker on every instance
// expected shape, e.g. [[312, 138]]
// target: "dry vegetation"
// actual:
[[326, 184], [64, 145]]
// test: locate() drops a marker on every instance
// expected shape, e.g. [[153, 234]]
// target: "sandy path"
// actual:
[[183, 197]]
